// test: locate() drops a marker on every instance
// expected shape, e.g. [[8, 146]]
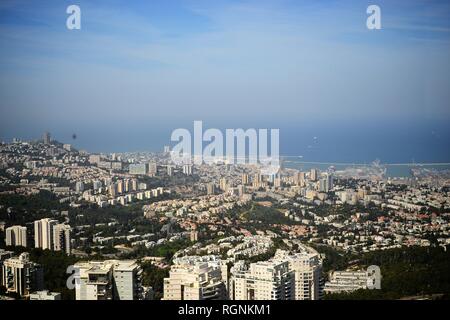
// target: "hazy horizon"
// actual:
[[137, 70]]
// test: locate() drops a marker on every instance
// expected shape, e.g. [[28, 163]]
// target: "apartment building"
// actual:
[[346, 281], [49, 234], [16, 236], [265, 280], [43, 233], [109, 280], [21, 276], [307, 269], [195, 280], [61, 238]]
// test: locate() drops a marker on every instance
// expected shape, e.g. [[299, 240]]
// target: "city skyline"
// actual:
[[135, 72]]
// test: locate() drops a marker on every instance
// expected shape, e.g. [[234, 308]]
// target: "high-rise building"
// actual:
[[245, 179], [120, 187], [127, 185], [265, 280], [3, 256], [16, 236], [187, 169], [299, 179], [21, 276], [210, 188], [152, 168], [134, 185], [307, 268], [277, 182], [46, 138], [169, 171], [109, 280], [79, 186], [326, 183], [112, 190], [61, 238], [43, 233], [223, 185], [313, 174], [166, 149], [195, 278], [241, 190]]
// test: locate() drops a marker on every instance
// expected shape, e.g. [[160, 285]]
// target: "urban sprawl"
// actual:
[[136, 226]]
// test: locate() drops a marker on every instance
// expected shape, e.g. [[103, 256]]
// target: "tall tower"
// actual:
[[43, 233], [46, 137], [61, 238]]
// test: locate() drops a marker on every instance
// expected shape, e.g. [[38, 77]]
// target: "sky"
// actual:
[[137, 70]]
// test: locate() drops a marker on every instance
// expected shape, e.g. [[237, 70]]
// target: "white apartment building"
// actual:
[[307, 268], [21, 276], [49, 234], [43, 233], [16, 236], [3, 256], [109, 280], [195, 279], [127, 276], [346, 281], [265, 280]]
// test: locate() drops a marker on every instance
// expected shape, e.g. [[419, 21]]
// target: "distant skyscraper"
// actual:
[[277, 182], [152, 168], [245, 179], [46, 138], [210, 188], [16, 236], [299, 179], [187, 169], [326, 183], [112, 190], [223, 185], [166, 149], [120, 187], [134, 185], [313, 175], [79, 186]]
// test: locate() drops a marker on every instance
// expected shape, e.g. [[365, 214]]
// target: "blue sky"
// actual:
[[139, 69]]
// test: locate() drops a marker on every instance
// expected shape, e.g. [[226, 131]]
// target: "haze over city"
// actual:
[[136, 71]]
